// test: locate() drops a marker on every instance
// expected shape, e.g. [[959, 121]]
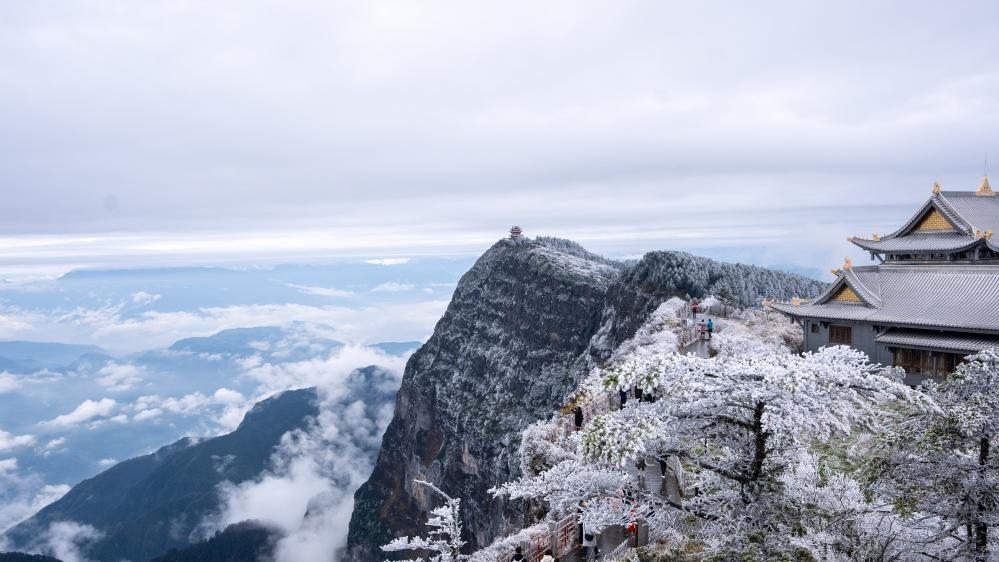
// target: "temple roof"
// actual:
[[946, 296], [931, 340], [950, 221]]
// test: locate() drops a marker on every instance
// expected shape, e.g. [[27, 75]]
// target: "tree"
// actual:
[[444, 538], [741, 424], [941, 466]]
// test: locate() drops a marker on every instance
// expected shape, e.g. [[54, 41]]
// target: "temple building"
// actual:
[[932, 299]]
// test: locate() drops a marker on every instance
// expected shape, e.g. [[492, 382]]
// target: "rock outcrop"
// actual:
[[526, 323]]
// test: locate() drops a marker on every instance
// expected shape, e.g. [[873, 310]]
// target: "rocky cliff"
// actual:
[[525, 324]]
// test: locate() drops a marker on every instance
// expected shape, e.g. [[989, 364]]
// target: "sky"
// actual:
[[178, 133]]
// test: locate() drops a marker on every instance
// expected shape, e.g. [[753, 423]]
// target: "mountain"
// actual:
[[147, 505], [36, 355], [262, 339], [525, 324], [21, 557], [248, 541]]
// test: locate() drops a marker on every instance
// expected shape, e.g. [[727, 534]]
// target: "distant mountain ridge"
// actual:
[[35, 355], [147, 505]]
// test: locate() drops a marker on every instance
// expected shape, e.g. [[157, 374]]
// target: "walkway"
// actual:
[[699, 347]]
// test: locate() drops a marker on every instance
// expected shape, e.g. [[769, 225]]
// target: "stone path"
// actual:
[[699, 347], [653, 480]]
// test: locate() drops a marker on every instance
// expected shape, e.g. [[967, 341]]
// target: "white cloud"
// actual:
[[22, 495], [387, 261], [392, 287], [147, 414], [118, 377], [86, 411], [228, 396], [106, 326], [143, 297], [52, 445], [8, 383], [9, 441], [66, 541], [321, 291], [107, 462]]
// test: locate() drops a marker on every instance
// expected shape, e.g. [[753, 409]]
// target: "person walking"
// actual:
[[518, 554], [703, 328], [624, 397], [548, 556], [640, 466], [711, 328], [577, 414], [589, 543]]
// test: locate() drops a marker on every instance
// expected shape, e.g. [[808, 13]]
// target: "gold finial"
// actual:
[[978, 233], [936, 188], [766, 302], [876, 237], [984, 189], [849, 238], [835, 271], [847, 264], [988, 234], [796, 301]]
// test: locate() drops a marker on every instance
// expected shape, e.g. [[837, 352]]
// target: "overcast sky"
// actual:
[[179, 132]]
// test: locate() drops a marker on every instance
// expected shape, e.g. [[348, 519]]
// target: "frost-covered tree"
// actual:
[[740, 424], [444, 537], [941, 466]]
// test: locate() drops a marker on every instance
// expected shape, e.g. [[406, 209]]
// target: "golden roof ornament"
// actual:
[[988, 235], [984, 189], [936, 188], [835, 271], [847, 264], [876, 237], [849, 238], [978, 233], [796, 301]]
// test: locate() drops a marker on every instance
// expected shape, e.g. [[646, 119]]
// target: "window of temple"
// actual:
[[815, 327], [840, 335], [914, 361]]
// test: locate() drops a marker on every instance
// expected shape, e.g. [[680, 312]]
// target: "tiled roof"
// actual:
[[967, 211], [981, 213], [937, 340], [920, 241], [946, 296]]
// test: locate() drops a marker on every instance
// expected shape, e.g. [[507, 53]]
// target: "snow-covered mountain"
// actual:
[[525, 324]]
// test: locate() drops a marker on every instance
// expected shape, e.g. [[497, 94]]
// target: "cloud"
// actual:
[[232, 403], [388, 261], [143, 297], [9, 441], [86, 411], [316, 470], [392, 287], [107, 462], [106, 326], [52, 445], [321, 291], [8, 383], [22, 495], [119, 377], [147, 414], [66, 540]]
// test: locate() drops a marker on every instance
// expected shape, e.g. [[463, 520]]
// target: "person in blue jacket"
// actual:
[[711, 328]]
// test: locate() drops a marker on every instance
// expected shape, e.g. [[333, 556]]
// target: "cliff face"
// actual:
[[526, 323]]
